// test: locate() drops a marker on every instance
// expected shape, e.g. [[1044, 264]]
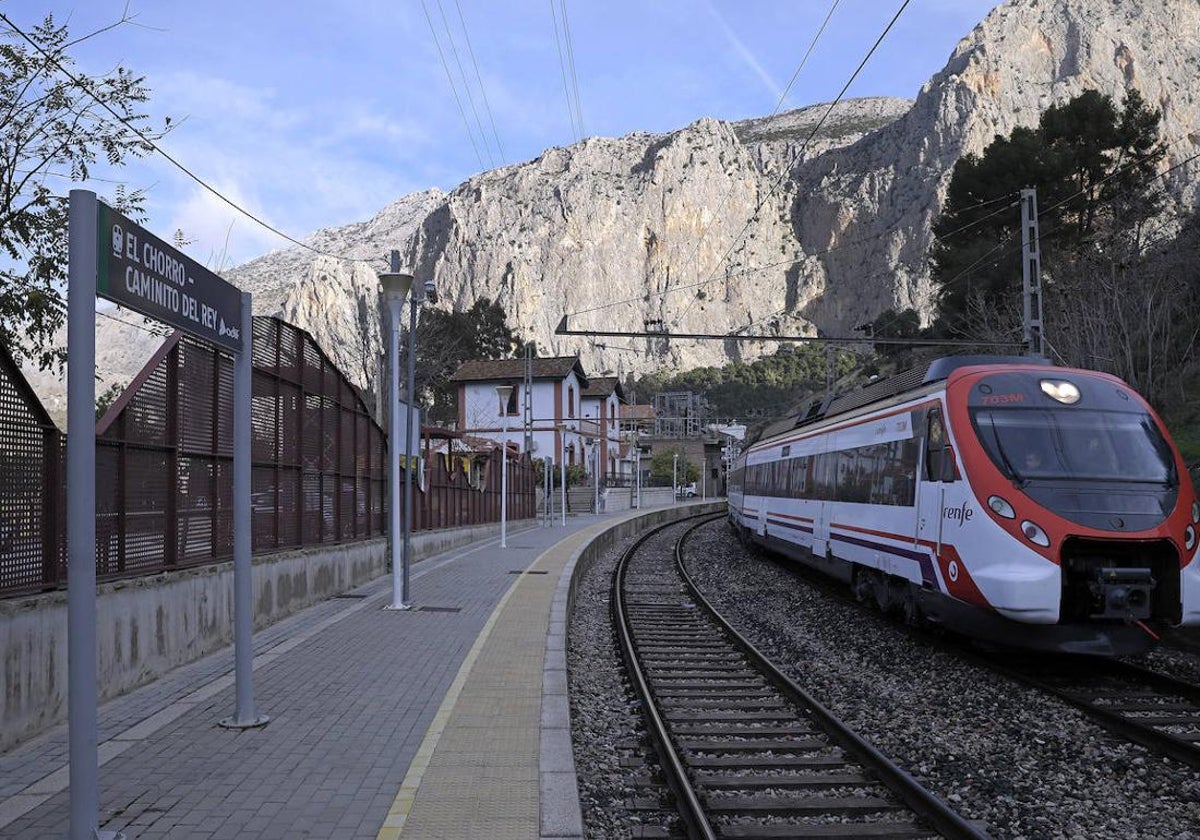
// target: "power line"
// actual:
[[562, 66], [487, 146], [571, 61], [783, 173], [728, 192], [807, 53], [479, 78], [866, 240], [453, 88], [83, 85]]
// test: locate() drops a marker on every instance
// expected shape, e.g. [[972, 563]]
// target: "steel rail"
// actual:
[[686, 798], [925, 803], [1164, 743]]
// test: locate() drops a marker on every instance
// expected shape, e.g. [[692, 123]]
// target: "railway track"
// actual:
[[747, 753], [1159, 712]]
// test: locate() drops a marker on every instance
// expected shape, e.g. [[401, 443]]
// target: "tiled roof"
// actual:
[[602, 386], [549, 367], [637, 412]]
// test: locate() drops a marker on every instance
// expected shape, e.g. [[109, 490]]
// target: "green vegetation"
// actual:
[[54, 125], [1095, 170], [755, 392], [1120, 284], [446, 339], [663, 465]]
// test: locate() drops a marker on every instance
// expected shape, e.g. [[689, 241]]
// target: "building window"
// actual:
[[571, 402], [511, 408]]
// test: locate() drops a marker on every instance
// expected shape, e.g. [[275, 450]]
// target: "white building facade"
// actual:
[[560, 425], [602, 420]]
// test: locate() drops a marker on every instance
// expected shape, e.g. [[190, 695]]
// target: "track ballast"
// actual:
[[748, 753]]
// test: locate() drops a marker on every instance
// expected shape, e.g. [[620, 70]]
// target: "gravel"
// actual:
[[606, 723], [1025, 764]]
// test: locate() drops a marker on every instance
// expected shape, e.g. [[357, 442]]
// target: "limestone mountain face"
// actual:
[[814, 219], [1027, 55]]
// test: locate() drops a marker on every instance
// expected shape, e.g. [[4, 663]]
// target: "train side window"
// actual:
[[935, 447]]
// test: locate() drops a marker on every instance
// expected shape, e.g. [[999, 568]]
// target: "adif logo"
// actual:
[[962, 513], [232, 332]]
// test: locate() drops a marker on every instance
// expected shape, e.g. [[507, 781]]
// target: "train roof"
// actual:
[[905, 380]]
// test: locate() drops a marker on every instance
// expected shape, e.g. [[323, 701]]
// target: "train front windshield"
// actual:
[[1075, 444]]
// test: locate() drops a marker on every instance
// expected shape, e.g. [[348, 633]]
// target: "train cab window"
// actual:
[[936, 448]]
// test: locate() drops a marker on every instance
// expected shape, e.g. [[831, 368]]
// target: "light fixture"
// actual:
[[1001, 507], [1061, 390], [1035, 534], [395, 284]]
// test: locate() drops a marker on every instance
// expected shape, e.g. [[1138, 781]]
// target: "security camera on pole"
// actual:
[[504, 392]]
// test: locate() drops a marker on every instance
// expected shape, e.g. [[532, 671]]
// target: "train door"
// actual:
[[824, 480], [936, 471]]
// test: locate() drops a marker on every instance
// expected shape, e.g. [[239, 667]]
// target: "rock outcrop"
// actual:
[[816, 219]]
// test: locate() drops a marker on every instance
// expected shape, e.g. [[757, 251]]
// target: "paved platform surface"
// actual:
[[421, 723]]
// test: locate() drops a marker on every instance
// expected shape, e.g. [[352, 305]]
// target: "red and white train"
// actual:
[[1004, 498]]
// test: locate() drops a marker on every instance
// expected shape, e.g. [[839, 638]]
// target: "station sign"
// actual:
[[138, 270]]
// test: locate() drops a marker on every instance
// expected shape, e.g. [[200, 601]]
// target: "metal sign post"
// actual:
[[81, 516], [113, 257]]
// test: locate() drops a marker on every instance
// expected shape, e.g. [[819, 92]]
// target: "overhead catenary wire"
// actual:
[[453, 87], [566, 24], [804, 147], [83, 85], [576, 130], [782, 97], [479, 80], [1006, 239], [487, 146]]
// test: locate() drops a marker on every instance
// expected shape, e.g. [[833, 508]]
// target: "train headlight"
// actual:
[[1060, 389], [1195, 512], [1035, 534], [1189, 538], [1001, 508]]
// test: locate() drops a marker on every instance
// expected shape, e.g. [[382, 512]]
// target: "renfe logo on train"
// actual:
[[961, 514]]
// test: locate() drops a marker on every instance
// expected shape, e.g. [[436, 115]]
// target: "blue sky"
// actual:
[[312, 114]]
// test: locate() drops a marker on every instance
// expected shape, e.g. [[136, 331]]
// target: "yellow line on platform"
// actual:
[[402, 804]]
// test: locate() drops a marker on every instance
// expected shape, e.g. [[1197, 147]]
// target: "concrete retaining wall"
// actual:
[[147, 626]]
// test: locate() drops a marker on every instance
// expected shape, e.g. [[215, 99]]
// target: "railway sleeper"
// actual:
[[785, 782], [728, 746], [782, 805], [829, 761], [895, 829]]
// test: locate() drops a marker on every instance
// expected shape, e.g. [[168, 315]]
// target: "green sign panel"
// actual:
[[138, 270]]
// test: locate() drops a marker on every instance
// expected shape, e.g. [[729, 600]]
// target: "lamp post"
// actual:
[[503, 392], [637, 465], [395, 288], [674, 477]]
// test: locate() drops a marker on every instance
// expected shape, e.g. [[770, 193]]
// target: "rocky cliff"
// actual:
[[720, 226]]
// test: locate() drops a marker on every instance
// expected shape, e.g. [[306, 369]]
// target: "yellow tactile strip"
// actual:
[[484, 782]]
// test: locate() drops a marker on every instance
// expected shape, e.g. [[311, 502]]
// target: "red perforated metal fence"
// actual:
[[164, 456], [164, 466], [31, 552]]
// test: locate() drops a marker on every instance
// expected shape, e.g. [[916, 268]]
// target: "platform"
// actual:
[[449, 720]]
